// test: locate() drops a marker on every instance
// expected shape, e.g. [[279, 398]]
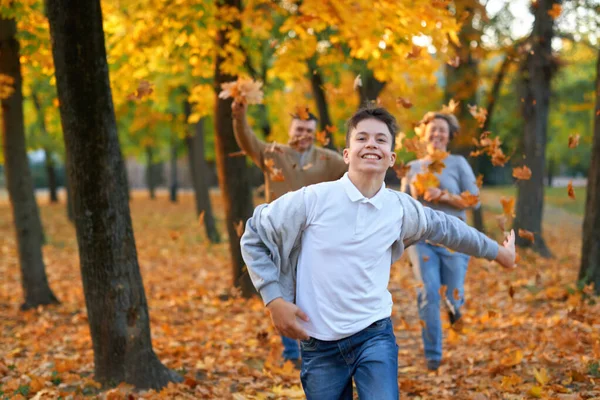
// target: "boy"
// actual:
[[321, 256]]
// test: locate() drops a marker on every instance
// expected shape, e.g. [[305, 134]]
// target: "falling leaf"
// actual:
[[454, 62], [357, 82], [479, 113], [501, 220], [527, 235], [479, 181], [424, 181], [456, 294], [541, 376], [570, 190], [471, 200], [511, 293], [243, 91], [302, 113], [201, 218], [277, 175], [423, 324], [443, 290], [436, 167], [451, 107], [331, 129], [415, 52], [144, 89], [274, 148], [237, 153], [239, 228], [499, 158], [414, 145], [522, 173], [6, 86], [402, 102], [401, 170], [508, 206], [322, 138], [425, 258], [307, 167], [574, 141], [555, 11], [399, 141]]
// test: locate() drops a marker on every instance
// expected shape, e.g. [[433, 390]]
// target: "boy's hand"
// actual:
[[238, 109], [507, 253], [283, 315], [433, 194]]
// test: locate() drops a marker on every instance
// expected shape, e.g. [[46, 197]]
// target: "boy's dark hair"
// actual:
[[372, 112]]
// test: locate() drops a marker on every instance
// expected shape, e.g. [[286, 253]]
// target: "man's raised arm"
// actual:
[[245, 137]]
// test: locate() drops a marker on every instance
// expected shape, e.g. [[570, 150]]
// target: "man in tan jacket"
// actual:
[[288, 168]]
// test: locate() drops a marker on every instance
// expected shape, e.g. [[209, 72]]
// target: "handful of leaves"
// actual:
[[243, 91]]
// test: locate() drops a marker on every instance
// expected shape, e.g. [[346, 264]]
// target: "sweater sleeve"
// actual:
[[424, 223]]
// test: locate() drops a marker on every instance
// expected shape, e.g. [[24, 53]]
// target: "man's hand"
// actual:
[[238, 109], [433, 194], [507, 253], [283, 315]]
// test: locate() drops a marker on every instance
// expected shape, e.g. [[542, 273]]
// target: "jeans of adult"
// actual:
[[291, 350], [369, 356], [435, 266]]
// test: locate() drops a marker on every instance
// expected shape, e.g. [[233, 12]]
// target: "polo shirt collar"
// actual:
[[355, 195]]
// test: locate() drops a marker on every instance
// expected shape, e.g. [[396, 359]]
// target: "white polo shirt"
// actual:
[[344, 265]]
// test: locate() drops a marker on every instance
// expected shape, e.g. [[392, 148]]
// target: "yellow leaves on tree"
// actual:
[[243, 90], [574, 141], [479, 113], [424, 181], [522, 173], [6, 86]]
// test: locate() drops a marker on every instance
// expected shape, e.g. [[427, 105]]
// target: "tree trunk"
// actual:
[[174, 185], [370, 89], [462, 83], [316, 81], [70, 212], [589, 271], [199, 172], [233, 172], [551, 166], [49, 162], [536, 73], [28, 226], [150, 172], [112, 283]]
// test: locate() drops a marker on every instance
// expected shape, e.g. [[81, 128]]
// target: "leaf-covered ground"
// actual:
[[527, 334]]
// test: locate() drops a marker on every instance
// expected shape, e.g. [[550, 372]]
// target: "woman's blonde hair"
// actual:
[[453, 125]]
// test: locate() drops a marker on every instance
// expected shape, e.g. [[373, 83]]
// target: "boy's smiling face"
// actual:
[[370, 147]]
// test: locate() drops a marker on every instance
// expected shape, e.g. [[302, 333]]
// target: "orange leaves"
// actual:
[[415, 52], [479, 181], [243, 91], [415, 145], [403, 102], [574, 140], [144, 89], [508, 206], [322, 136], [451, 107], [570, 190], [470, 199], [522, 173], [437, 165], [401, 170], [491, 147], [454, 62], [6, 86], [276, 174], [302, 113], [479, 113], [424, 181], [527, 235], [555, 11], [239, 228]]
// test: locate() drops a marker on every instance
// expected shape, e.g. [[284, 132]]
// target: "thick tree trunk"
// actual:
[[462, 83], [536, 73], [28, 226], [316, 82], [70, 212], [49, 162], [174, 185], [112, 283], [370, 89], [233, 172], [589, 271], [150, 172], [199, 172]]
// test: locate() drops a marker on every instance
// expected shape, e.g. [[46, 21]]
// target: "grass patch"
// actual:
[[555, 197]]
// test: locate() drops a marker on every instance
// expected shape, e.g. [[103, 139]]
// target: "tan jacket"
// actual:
[[284, 168]]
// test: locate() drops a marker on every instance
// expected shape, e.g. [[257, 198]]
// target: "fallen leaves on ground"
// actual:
[[544, 342]]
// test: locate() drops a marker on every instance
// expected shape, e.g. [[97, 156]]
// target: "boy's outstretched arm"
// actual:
[[507, 253]]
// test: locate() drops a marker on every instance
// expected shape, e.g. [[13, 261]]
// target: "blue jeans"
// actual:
[[370, 356], [437, 266], [291, 350]]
